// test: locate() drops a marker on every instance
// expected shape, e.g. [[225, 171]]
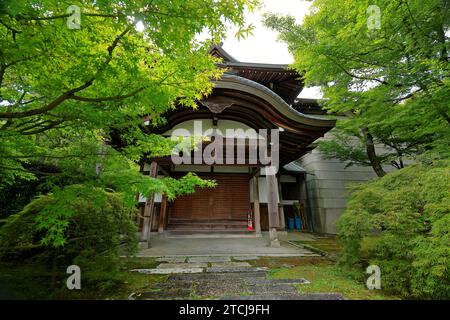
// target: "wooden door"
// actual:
[[229, 200]]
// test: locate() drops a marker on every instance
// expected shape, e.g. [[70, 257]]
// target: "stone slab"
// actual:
[[235, 269], [209, 259], [230, 264], [245, 258], [217, 276], [169, 270], [172, 259], [253, 281], [219, 288], [182, 265]]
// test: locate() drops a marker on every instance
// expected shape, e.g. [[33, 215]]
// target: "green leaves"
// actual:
[[69, 96], [392, 87], [244, 32], [106, 74], [393, 81], [408, 210]]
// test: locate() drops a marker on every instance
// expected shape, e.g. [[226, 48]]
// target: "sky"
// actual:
[[263, 45]]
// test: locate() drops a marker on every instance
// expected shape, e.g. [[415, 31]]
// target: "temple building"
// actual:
[[251, 197]]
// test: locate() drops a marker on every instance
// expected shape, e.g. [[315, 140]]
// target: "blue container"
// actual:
[[290, 223], [298, 224]]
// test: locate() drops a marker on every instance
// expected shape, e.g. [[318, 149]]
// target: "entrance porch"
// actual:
[[244, 203], [162, 246]]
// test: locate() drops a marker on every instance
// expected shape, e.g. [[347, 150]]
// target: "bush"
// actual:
[[409, 210], [79, 224]]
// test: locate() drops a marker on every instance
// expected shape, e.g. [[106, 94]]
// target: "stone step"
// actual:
[[169, 270], [235, 269], [209, 259], [214, 276], [189, 265], [269, 282]]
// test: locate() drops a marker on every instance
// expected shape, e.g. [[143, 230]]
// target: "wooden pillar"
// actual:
[[272, 206], [149, 207], [280, 206], [162, 214], [256, 208]]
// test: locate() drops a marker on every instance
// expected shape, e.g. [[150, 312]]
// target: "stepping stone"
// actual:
[[230, 264], [181, 265], [171, 259], [217, 276], [245, 258], [168, 270], [236, 269], [219, 288], [254, 282], [209, 259]]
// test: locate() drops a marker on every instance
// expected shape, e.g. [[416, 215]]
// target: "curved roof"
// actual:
[[253, 104], [233, 82]]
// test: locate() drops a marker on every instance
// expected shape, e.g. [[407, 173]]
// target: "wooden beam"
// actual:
[[256, 208], [162, 214], [149, 207]]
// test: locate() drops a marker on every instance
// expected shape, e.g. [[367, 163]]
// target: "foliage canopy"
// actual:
[[391, 83]]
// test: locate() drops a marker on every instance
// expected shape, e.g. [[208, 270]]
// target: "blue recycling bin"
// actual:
[[290, 223], [298, 224]]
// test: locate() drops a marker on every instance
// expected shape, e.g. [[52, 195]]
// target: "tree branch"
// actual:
[[113, 98], [70, 93], [353, 75], [14, 31]]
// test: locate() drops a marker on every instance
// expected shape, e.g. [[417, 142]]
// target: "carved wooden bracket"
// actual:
[[217, 104]]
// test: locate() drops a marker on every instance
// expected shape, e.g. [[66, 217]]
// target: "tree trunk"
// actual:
[[371, 153]]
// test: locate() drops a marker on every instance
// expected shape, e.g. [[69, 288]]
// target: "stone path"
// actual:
[[222, 278]]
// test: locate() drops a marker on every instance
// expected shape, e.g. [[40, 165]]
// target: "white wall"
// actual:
[[199, 127]]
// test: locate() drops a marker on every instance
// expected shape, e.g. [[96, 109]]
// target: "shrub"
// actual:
[[409, 210], [83, 225]]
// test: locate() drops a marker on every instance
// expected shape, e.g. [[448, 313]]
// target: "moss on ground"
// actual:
[[324, 277], [331, 246], [322, 272]]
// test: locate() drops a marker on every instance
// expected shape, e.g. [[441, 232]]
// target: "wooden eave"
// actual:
[[253, 104]]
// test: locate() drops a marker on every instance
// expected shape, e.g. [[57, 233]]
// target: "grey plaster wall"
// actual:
[[327, 183]]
